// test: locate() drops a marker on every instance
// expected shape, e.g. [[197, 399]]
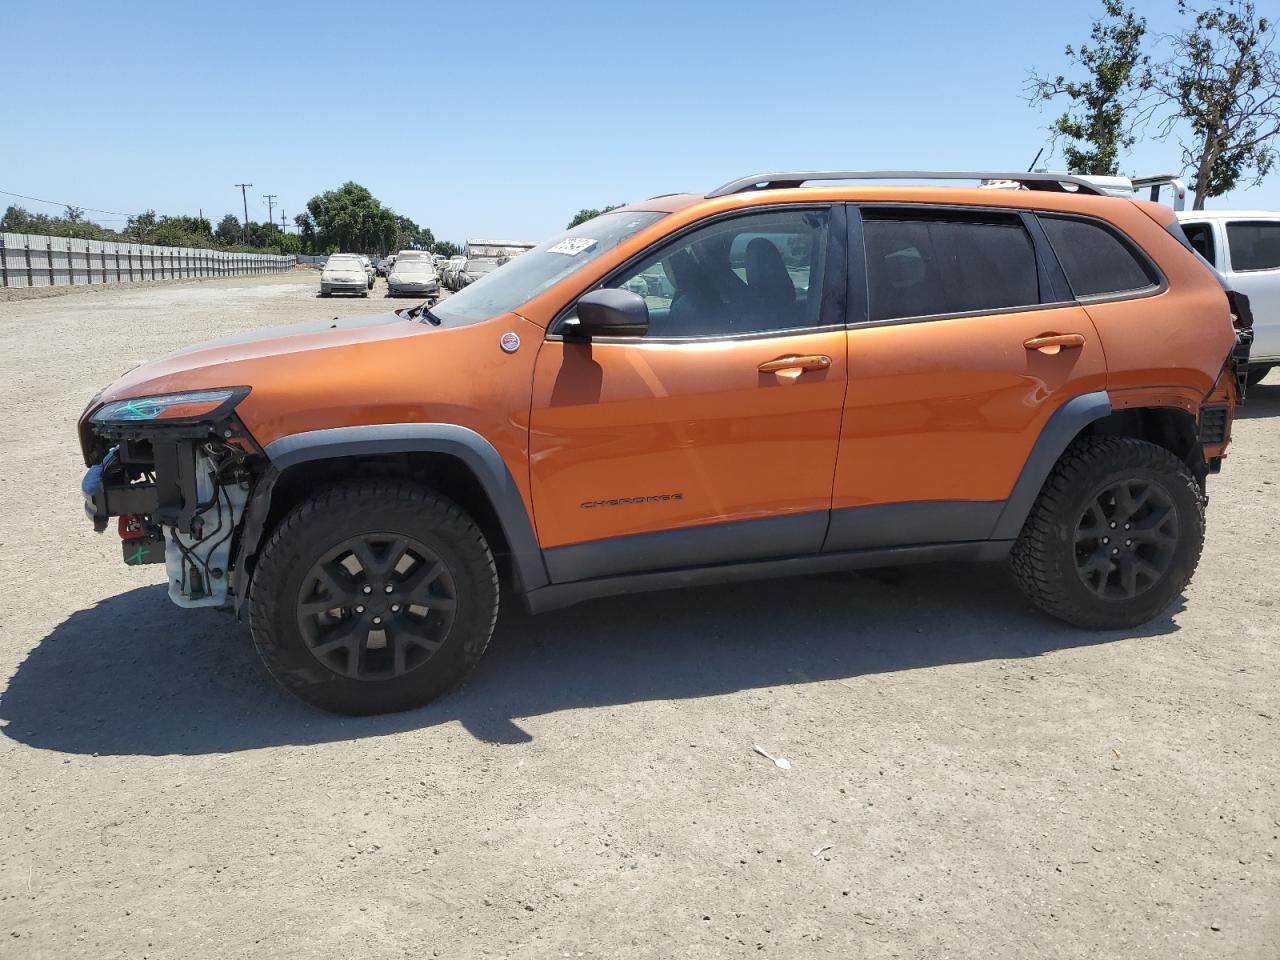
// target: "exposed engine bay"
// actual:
[[179, 491]]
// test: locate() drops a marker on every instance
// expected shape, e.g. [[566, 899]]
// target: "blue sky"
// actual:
[[483, 119]]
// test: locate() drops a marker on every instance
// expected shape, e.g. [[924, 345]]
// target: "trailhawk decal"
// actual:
[[624, 501]]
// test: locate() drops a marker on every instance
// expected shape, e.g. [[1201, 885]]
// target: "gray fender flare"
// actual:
[[383, 438], [1063, 425]]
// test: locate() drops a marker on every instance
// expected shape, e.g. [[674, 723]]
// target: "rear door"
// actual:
[[963, 341], [712, 439]]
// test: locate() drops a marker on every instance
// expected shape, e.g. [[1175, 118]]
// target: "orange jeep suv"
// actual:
[[766, 380]]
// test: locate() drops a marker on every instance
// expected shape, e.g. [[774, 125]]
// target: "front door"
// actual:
[[711, 439]]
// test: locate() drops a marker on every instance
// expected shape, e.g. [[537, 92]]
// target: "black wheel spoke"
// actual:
[[1124, 538], [1154, 528], [350, 637], [421, 577], [332, 580], [340, 608], [377, 563]]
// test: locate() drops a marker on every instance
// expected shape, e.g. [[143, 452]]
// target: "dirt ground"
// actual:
[[968, 779]]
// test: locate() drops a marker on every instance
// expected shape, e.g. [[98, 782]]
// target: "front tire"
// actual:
[[373, 597], [1115, 535]]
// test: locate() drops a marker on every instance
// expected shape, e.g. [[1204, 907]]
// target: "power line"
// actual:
[[55, 203], [270, 198]]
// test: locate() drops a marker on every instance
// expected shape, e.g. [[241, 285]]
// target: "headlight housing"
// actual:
[[172, 408]]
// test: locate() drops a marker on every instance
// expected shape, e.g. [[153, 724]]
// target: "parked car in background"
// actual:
[[415, 277], [368, 269], [1244, 246], [473, 270], [1039, 376], [344, 273], [451, 268], [383, 266]]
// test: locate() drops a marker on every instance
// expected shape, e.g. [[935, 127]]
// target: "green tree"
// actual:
[[1106, 103], [139, 227], [229, 231], [409, 234], [352, 219], [306, 231], [181, 232], [19, 220], [1223, 85], [446, 248], [585, 214]]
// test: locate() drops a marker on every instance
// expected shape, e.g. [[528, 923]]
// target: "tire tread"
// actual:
[[1083, 461]]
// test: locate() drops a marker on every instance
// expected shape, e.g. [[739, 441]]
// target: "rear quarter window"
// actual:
[[1096, 260], [1255, 245]]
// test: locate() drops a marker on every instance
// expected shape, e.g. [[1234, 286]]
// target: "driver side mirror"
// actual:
[[609, 313]]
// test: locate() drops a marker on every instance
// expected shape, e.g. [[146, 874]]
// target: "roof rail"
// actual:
[[1062, 182]]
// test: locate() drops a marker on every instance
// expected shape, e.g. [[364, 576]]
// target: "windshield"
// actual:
[[414, 266], [529, 274], [474, 267], [343, 263]]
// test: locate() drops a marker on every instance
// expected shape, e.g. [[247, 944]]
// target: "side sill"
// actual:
[[555, 596]]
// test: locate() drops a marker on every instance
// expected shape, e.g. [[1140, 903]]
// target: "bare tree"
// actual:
[[1106, 106], [1223, 82]]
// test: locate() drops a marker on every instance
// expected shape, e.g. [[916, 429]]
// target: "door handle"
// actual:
[[811, 362], [1051, 343]]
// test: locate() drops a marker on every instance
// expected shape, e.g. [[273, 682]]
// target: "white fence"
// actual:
[[27, 260]]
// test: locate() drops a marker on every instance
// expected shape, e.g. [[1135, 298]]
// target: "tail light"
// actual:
[[1242, 320]]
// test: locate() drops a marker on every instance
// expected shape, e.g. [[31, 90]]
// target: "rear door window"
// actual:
[[1096, 260], [1200, 236], [925, 266], [1254, 245]]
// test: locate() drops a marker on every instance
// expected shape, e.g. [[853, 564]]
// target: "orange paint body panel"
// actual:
[[702, 421], [401, 371], [949, 410]]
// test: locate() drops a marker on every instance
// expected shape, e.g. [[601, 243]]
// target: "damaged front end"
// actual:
[[177, 469]]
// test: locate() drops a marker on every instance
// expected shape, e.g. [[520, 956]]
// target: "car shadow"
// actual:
[[1262, 399], [135, 675]]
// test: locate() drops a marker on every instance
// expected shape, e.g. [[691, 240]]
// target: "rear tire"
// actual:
[[1077, 560], [344, 626]]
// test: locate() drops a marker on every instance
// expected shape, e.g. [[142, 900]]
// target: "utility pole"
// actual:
[[270, 198], [245, 198], [283, 228]]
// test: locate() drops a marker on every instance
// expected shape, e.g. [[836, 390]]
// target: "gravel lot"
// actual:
[[968, 778]]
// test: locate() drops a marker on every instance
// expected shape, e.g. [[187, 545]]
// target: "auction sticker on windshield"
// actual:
[[572, 246]]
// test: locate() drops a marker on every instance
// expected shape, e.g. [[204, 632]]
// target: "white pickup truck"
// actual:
[[1244, 246]]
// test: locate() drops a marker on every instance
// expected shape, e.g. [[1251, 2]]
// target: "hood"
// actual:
[[222, 363]]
